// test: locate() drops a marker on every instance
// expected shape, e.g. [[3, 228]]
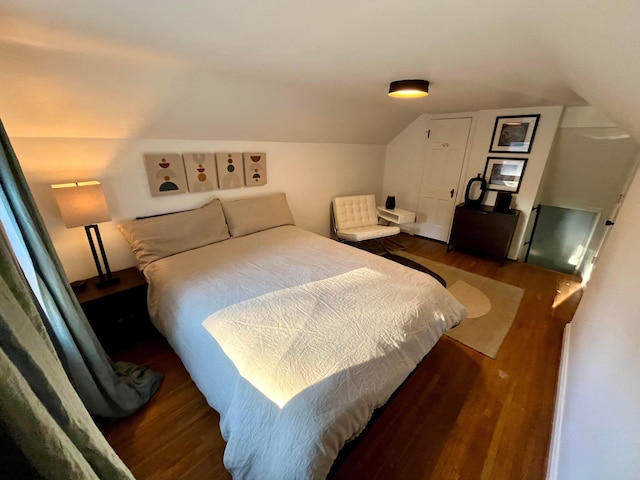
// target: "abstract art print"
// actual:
[[229, 166], [504, 174], [255, 169], [201, 172], [514, 133], [165, 173]]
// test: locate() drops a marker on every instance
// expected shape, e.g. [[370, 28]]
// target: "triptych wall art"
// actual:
[[172, 173]]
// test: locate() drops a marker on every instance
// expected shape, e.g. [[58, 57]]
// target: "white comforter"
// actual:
[[294, 339]]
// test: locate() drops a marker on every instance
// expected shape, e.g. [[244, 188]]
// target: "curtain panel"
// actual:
[[40, 341]]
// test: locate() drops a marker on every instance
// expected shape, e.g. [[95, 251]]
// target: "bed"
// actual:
[[295, 339]]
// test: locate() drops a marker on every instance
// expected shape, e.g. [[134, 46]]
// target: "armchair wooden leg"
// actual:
[[390, 244]]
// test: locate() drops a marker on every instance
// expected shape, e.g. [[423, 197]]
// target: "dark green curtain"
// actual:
[[107, 389], [45, 430]]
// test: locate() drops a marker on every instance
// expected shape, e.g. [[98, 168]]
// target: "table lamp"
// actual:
[[83, 204]]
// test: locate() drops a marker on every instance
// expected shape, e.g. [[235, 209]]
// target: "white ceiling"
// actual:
[[299, 70]]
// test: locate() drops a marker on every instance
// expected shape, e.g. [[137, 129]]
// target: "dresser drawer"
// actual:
[[483, 231]]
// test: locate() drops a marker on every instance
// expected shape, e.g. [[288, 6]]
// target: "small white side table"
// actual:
[[397, 215]]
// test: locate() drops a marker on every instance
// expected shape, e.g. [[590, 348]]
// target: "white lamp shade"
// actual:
[[81, 203]]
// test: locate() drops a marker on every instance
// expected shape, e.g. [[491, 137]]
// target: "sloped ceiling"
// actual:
[[302, 71]]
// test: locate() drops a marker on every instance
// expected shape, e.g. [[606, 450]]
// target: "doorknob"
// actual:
[[609, 223], [451, 192]]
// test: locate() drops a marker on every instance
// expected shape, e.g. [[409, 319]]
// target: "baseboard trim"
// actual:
[[554, 448]]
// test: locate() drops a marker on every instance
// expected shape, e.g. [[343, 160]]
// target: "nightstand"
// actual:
[[118, 313]]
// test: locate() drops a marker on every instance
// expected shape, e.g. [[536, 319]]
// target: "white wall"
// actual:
[[588, 169], [584, 117], [599, 432], [405, 154], [404, 162], [310, 175]]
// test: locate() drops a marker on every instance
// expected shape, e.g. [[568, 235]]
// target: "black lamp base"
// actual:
[[79, 285], [107, 282], [105, 279]]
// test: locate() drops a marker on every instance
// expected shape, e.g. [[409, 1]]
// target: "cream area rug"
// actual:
[[492, 305]]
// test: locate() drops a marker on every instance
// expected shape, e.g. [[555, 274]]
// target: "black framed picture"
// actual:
[[514, 133], [504, 174]]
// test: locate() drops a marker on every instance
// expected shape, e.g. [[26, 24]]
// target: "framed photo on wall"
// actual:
[[504, 174], [514, 133]]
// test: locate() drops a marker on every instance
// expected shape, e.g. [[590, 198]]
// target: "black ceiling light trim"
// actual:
[[409, 88]]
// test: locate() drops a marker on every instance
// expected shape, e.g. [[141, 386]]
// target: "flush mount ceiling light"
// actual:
[[409, 89]]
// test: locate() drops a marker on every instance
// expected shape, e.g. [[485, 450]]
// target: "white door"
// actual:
[[446, 149]]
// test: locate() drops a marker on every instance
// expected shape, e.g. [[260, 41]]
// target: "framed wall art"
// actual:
[[165, 173], [201, 171], [504, 174], [229, 166], [514, 133], [255, 169]]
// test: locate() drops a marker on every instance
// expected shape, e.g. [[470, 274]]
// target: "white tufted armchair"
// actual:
[[355, 218]]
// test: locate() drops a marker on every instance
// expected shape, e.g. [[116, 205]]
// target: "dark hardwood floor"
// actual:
[[460, 415]]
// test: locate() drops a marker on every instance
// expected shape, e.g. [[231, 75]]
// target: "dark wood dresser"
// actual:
[[481, 230]]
